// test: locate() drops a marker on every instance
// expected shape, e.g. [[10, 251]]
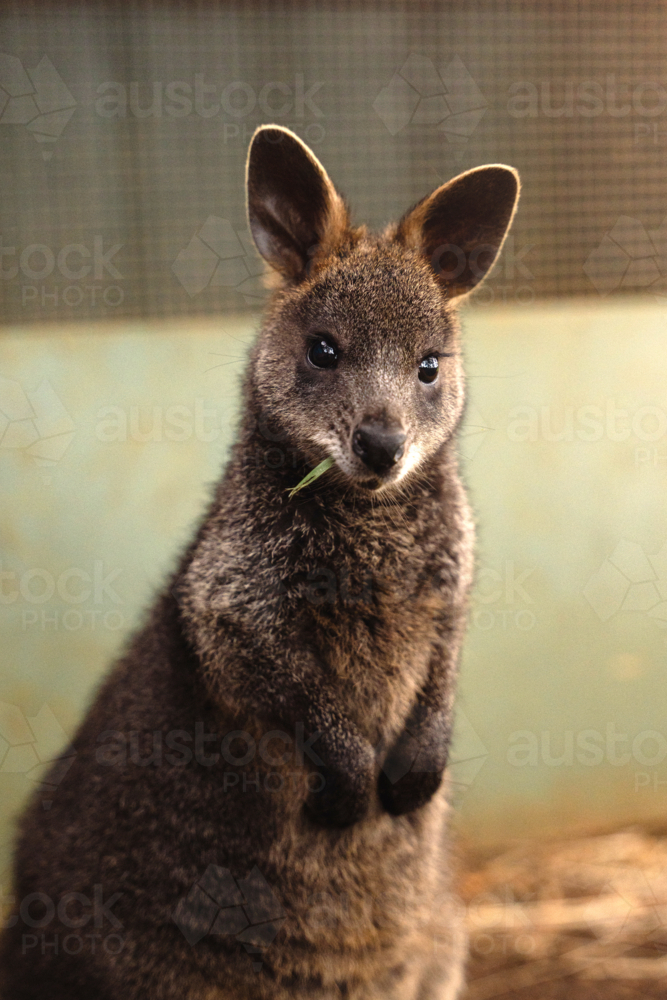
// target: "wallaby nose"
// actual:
[[377, 446]]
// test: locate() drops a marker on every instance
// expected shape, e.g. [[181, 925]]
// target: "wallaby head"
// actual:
[[360, 359]]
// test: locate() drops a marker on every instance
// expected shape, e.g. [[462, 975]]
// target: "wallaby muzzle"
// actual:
[[378, 446]]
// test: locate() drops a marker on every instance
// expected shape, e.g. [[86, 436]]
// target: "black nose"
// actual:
[[377, 446]]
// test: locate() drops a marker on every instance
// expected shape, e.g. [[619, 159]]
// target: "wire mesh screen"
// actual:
[[124, 133]]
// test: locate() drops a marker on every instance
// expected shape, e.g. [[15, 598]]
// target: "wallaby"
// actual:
[[255, 805]]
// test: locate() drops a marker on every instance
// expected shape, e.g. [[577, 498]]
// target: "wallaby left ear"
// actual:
[[294, 211], [461, 227]]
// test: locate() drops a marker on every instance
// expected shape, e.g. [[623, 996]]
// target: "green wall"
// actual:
[[116, 432]]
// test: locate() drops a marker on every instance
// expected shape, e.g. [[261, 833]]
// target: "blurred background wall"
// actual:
[[130, 293], [125, 129]]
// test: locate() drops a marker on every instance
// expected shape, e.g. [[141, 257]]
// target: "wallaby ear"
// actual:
[[461, 227], [293, 208]]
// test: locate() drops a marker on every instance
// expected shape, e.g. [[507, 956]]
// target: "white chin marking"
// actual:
[[410, 462], [406, 467], [349, 469]]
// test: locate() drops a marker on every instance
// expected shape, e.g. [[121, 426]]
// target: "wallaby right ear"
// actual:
[[293, 208], [460, 228]]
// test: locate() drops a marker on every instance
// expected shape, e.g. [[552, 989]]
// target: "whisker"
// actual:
[[246, 343], [235, 357], [223, 364], [517, 375]]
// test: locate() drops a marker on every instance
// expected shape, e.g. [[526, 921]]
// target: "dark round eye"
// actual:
[[428, 369], [322, 354]]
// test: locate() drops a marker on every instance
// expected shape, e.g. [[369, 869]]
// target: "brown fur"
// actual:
[[334, 616]]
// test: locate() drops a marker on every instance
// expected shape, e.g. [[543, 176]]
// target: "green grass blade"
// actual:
[[311, 476]]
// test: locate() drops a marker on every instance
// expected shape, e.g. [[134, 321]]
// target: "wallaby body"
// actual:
[[255, 808]]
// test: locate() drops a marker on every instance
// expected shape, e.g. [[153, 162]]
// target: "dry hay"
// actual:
[[570, 911]]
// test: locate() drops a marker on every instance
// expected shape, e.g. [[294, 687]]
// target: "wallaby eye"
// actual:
[[322, 354], [428, 369]]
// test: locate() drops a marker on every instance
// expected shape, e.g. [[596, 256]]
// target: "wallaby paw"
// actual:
[[409, 792], [344, 788], [339, 802]]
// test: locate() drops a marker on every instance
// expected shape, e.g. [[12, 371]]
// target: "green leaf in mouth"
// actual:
[[311, 476]]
